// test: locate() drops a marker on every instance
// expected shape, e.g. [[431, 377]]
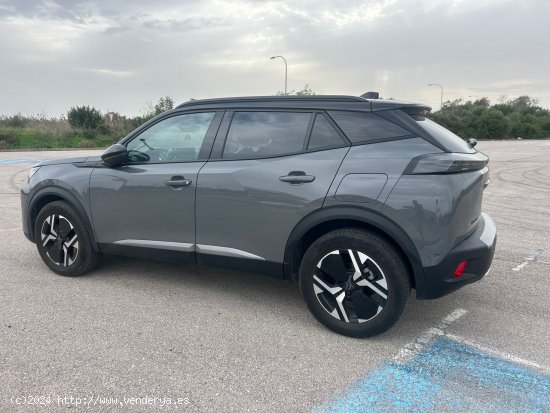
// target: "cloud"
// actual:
[[117, 55], [115, 29], [184, 25], [512, 86], [60, 10], [109, 72]]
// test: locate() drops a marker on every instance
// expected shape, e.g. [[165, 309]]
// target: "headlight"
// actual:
[[32, 171]]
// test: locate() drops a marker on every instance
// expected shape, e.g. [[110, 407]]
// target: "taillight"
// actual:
[[446, 163], [460, 268]]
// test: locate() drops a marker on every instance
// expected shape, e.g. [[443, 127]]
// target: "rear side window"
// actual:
[[264, 134], [323, 135], [366, 127]]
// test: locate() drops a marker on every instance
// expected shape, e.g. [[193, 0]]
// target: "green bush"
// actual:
[[84, 127], [8, 139], [520, 117], [525, 130], [15, 121], [491, 123], [85, 117]]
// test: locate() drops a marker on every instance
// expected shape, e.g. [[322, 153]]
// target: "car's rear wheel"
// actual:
[[354, 282], [63, 240]]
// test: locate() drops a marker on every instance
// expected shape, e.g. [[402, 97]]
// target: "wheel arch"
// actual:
[[46, 196], [325, 220]]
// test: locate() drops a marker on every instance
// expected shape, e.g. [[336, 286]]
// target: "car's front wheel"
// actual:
[[63, 240], [354, 282]]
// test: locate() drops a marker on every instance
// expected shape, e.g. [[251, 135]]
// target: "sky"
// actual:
[[119, 55]]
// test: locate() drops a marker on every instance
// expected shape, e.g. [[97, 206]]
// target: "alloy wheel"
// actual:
[[59, 239], [350, 286]]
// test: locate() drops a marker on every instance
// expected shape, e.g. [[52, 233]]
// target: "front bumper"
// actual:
[[478, 250], [25, 198]]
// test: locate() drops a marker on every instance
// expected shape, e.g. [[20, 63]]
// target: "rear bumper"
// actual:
[[478, 250]]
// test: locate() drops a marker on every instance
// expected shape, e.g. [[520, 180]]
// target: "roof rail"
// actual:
[[330, 98]]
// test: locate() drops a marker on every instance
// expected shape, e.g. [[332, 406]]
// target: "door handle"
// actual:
[[297, 178], [178, 181]]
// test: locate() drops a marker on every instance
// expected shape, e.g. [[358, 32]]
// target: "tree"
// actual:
[[305, 91], [525, 130], [150, 111], [84, 117], [490, 124], [522, 103], [165, 103], [508, 119]]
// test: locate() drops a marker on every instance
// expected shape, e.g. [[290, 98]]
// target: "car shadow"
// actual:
[[163, 276], [261, 293]]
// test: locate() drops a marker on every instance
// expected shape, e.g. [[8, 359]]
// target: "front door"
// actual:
[[150, 202]]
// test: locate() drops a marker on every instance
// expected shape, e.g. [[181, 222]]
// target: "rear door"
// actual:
[[149, 203], [268, 170]]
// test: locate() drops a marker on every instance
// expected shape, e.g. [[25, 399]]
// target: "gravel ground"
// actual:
[[228, 341]]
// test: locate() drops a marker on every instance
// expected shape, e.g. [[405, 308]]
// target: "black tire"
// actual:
[[361, 311], [64, 254]]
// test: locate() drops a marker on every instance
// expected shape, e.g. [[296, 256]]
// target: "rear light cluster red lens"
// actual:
[[460, 268]]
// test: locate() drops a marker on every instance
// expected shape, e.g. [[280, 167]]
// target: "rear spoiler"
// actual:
[[409, 108], [417, 112]]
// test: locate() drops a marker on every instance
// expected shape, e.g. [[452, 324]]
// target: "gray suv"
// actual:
[[358, 200]]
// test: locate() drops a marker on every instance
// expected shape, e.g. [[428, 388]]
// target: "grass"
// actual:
[[35, 133], [26, 138]]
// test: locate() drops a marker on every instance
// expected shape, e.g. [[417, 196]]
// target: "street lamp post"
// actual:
[[286, 68], [440, 87]]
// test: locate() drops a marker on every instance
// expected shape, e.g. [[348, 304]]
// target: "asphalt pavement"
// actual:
[[137, 335]]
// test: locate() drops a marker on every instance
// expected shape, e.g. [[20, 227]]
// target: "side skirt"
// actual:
[[147, 253], [270, 268], [274, 269]]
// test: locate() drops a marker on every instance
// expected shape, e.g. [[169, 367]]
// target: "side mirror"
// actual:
[[115, 155]]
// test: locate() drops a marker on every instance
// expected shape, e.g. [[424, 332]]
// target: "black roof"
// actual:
[[304, 101]]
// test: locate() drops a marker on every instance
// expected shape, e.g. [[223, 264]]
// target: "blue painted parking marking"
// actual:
[[18, 161], [447, 376]]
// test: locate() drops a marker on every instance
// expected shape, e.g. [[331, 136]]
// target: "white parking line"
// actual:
[[532, 257], [411, 349], [508, 357], [407, 352]]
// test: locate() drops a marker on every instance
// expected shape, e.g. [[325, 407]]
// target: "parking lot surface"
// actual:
[[180, 338]]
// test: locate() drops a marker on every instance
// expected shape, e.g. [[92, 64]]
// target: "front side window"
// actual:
[[175, 139], [265, 134]]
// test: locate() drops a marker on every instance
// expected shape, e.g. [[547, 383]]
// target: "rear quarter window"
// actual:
[[364, 127], [444, 137]]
